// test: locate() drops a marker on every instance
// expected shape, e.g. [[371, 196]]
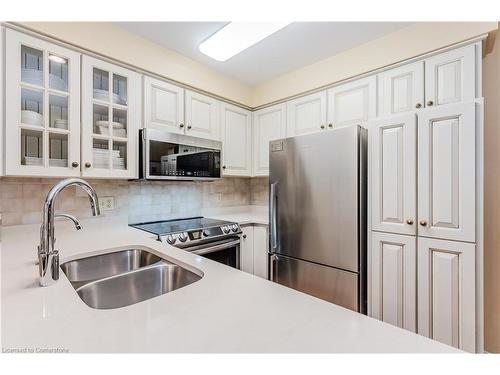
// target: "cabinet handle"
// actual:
[[181, 126], [223, 167], [322, 126], [409, 221], [244, 236], [430, 103], [330, 125], [88, 165], [418, 105], [75, 164], [423, 223], [189, 127]]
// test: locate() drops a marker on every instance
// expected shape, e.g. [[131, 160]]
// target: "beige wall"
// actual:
[[117, 43], [403, 44], [491, 92]]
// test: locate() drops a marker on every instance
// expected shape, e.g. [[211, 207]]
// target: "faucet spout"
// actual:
[[48, 256]]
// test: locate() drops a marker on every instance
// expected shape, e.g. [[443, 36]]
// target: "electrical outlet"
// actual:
[[219, 196], [107, 203]]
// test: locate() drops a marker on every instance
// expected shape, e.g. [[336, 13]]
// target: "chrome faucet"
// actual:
[[48, 256]]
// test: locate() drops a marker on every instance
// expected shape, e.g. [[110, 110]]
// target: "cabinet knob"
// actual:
[[430, 103], [244, 236], [75, 164], [322, 126], [418, 105], [409, 221], [189, 127], [423, 223], [181, 126], [88, 165], [330, 125], [223, 167]]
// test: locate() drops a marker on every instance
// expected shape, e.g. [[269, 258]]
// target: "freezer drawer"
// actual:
[[328, 283]]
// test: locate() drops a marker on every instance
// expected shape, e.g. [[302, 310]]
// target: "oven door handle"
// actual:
[[211, 249]]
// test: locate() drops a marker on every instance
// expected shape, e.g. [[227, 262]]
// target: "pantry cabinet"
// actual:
[[393, 164], [446, 172], [306, 115], [202, 116], [393, 279], [42, 108], [110, 119], [450, 77], [163, 106], [446, 292], [401, 89], [268, 124], [236, 136], [352, 103]]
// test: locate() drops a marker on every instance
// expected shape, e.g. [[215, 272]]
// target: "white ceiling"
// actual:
[[297, 45]]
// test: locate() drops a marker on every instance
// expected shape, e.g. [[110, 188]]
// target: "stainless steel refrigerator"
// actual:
[[317, 212]]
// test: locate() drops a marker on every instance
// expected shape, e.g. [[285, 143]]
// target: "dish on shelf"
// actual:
[[116, 125], [103, 95], [32, 76], [61, 124], [32, 160], [57, 83], [31, 118]]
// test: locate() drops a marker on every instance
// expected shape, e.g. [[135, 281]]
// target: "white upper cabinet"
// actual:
[[202, 116], [401, 89], [110, 119], [163, 106], [451, 77], [236, 131], [446, 292], [394, 279], [393, 166], [306, 115], [268, 124], [446, 172], [42, 108], [352, 103]]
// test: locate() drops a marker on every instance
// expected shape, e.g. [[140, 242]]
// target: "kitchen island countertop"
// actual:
[[226, 311]]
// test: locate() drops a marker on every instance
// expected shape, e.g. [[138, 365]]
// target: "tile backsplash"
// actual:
[[21, 199]]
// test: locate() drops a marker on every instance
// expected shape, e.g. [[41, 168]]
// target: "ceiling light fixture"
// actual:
[[236, 37]]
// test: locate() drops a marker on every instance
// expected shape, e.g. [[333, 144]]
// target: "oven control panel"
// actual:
[[192, 237]]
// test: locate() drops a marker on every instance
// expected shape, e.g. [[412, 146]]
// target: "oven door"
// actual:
[[226, 251]]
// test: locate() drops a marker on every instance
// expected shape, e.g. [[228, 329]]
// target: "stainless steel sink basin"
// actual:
[[122, 278]]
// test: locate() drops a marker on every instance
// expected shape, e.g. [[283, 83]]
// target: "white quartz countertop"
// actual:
[[243, 215], [226, 311]]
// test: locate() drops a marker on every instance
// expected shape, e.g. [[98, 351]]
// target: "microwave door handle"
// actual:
[[274, 218]]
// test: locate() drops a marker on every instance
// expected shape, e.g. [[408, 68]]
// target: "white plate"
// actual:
[[31, 118], [116, 125]]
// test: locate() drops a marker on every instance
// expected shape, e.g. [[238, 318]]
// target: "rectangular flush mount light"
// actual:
[[236, 37]]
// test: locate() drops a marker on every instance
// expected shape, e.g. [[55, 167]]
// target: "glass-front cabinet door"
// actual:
[[42, 108], [110, 119]]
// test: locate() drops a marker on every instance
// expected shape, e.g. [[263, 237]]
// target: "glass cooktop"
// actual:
[[164, 227]]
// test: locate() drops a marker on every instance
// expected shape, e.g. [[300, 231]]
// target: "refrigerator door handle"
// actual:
[[272, 258], [274, 219]]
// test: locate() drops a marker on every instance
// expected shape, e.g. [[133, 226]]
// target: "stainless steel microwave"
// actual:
[[169, 156]]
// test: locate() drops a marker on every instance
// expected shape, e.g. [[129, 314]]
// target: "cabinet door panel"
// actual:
[[450, 77], [268, 124], [236, 140], [393, 279], [446, 172], [42, 110], [352, 103], [246, 250], [401, 89], [260, 251], [202, 116], [393, 174], [446, 292], [163, 105], [306, 115]]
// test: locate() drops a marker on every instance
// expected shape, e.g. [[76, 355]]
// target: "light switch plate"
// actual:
[[107, 203]]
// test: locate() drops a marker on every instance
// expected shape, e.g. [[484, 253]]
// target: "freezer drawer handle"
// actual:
[[273, 221]]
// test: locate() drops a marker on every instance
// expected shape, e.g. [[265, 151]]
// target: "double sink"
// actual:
[[125, 277]]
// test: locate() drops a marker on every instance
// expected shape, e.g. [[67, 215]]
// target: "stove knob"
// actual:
[[171, 239], [206, 233], [234, 227], [182, 237], [226, 229]]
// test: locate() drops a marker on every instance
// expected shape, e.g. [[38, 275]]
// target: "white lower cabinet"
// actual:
[[253, 251], [246, 249], [393, 279], [446, 292]]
